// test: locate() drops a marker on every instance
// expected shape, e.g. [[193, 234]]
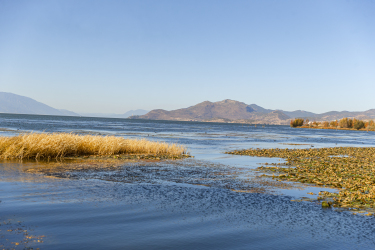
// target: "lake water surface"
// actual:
[[187, 204]]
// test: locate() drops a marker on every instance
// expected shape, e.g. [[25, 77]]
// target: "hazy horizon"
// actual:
[[142, 111], [116, 56]]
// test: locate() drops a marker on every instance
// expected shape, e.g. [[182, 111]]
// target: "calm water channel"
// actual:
[[188, 204]]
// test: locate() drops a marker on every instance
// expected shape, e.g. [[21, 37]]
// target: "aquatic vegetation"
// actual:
[[334, 124], [326, 204], [296, 122], [343, 124], [346, 123], [60, 145], [15, 234], [187, 171], [358, 124], [349, 169]]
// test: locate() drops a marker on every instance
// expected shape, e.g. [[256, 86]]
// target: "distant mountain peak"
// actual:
[[221, 111], [17, 104], [229, 101]]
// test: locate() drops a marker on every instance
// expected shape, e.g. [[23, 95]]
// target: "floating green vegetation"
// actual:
[[349, 169]]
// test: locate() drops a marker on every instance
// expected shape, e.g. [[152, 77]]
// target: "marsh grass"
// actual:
[[60, 145]]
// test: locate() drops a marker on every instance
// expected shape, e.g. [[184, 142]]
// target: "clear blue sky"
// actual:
[[113, 56]]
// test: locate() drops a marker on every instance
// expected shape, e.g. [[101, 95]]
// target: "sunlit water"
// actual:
[[186, 204]]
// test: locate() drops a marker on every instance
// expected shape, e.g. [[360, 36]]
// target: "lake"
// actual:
[[195, 203]]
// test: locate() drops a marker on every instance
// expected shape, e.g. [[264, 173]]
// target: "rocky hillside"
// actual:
[[239, 112], [223, 111]]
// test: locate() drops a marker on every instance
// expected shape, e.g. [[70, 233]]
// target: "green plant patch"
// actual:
[[349, 169]]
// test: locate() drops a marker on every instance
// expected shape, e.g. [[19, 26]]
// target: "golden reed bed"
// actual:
[[60, 145]]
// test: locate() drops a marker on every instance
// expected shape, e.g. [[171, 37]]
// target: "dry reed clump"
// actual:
[[59, 145], [343, 124], [350, 169]]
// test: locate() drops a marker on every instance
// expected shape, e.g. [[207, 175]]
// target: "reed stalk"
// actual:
[[60, 145]]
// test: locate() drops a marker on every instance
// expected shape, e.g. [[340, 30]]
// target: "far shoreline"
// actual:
[[343, 124], [332, 128]]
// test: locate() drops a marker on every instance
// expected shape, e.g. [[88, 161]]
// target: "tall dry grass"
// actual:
[[59, 145]]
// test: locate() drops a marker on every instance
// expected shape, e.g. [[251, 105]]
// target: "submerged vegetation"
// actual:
[[60, 145], [349, 169], [344, 123]]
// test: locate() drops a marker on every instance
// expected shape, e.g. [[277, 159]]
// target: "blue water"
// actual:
[[160, 206]]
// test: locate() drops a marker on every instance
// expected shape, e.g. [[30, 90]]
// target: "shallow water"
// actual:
[[185, 204]]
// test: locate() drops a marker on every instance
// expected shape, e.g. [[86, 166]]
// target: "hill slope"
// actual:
[[234, 111], [16, 104], [337, 115], [223, 111]]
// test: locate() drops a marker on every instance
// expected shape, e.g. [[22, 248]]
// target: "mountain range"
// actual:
[[222, 111], [17, 104], [239, 112]]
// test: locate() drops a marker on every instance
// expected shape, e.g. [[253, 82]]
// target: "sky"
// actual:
[[114, 56]]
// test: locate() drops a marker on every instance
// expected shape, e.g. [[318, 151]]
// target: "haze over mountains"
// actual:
[[113, 115], [16, 104], [222, 111]]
